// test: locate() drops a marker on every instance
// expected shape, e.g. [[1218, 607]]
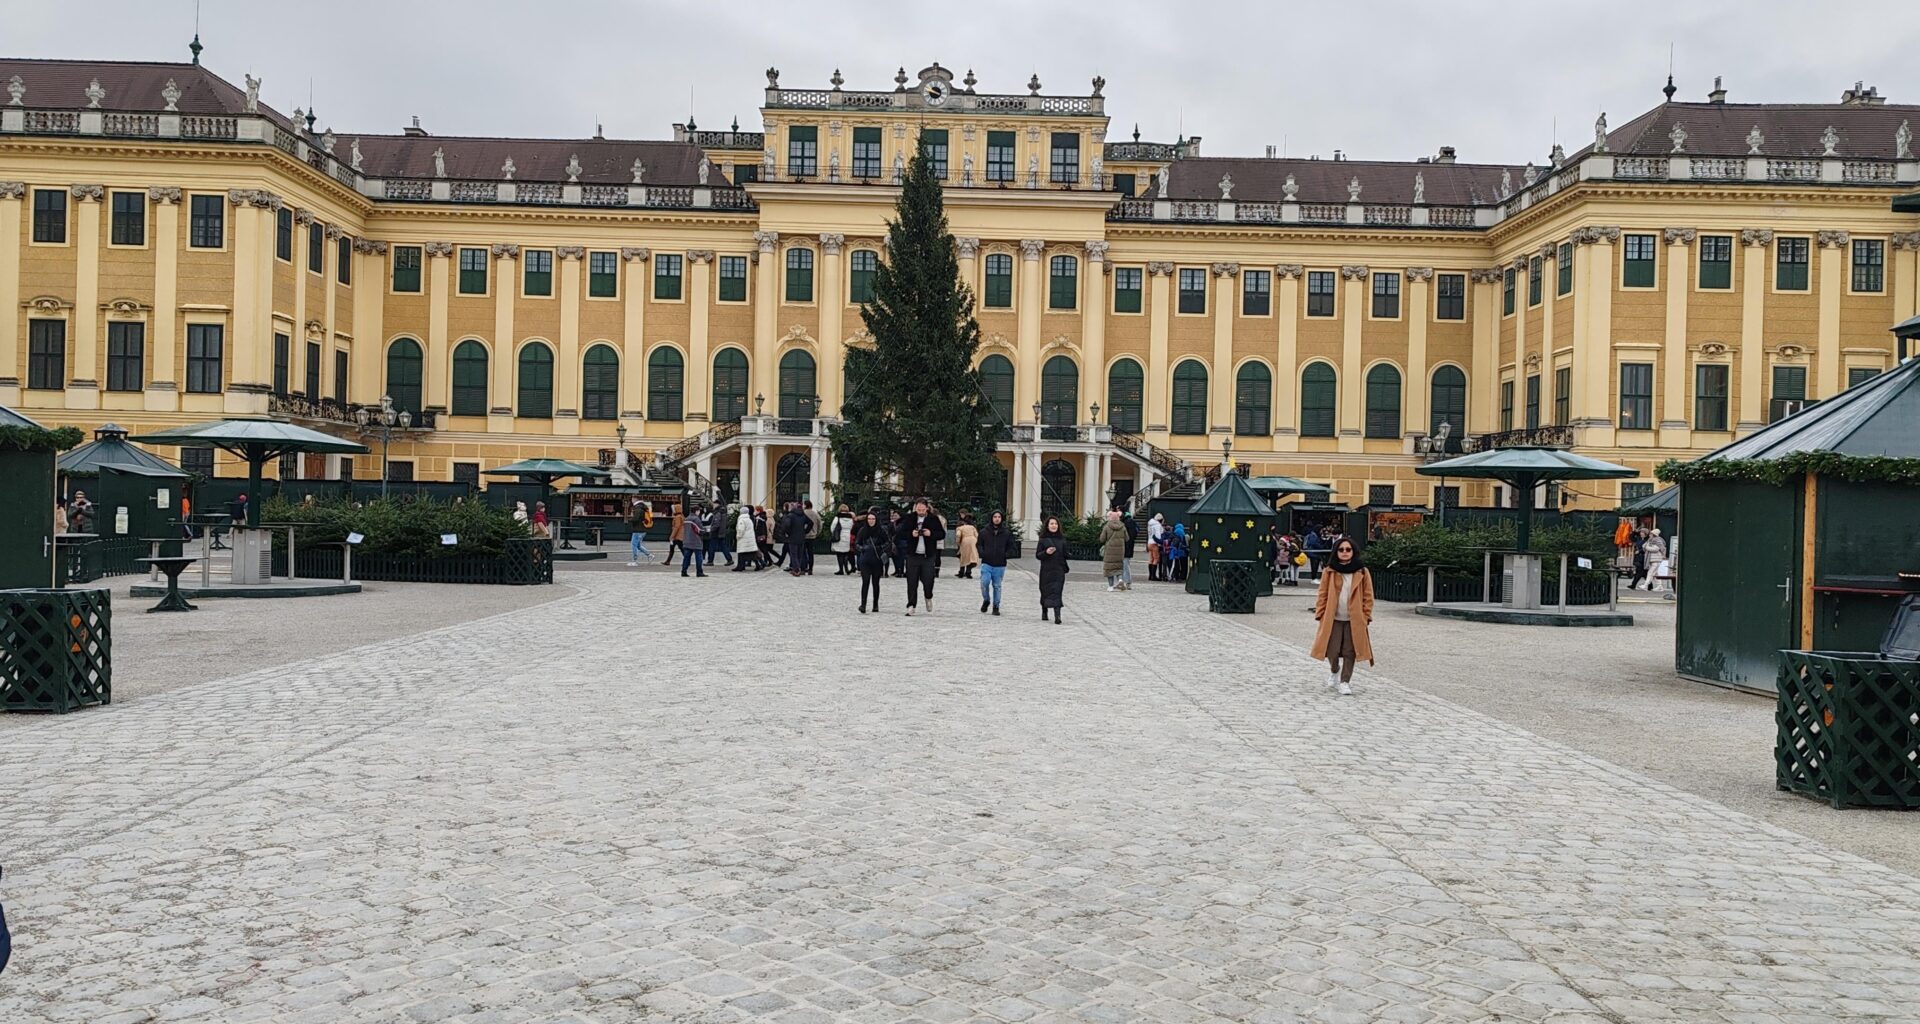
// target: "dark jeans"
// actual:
[[691, 557], [870, 580], [921, 569]]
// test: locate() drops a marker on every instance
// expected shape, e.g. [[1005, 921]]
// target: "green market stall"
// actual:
[[1230, 522]]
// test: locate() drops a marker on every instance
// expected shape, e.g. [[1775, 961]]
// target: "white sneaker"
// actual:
[[929, 606], [909, 611], [1110, 588], [1345, 690], [633, 563], [1333, 680]]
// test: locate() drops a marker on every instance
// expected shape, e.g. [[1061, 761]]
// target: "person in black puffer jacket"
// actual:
[[872, 543], [996, 543]]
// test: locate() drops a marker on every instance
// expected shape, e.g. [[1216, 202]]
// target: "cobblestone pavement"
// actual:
[[735, 799]]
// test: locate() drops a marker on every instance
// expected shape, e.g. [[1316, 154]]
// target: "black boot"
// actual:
[[1056, 616], [983, 606]]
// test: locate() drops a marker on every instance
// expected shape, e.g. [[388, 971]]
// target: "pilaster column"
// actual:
[[967, 251], [1417, 313], [1220, 411], [566, 370], [1159, 324], [633, 347], [330, 306], [1673, 359], [439, 289], [1286, 360], [1352, 319], [1906, 274], [1827, 380], [766, 317], [1752, 413], [12, 200], [817, 475], [833, 306], [296, 348], [1484, 378], [369, 322], [252, 327], [1519, 268], [1093, 326], [1032, 298], [1090, 483], [83, 369], [506, 293], [699, 308], [1548, 286], [760, 478], [163, 394], [1593, 320], [1016, 488]]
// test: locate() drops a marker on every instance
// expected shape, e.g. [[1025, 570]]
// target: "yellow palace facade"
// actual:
[[172, 250]]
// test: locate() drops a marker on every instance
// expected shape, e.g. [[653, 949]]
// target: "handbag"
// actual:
[[1299, 559]]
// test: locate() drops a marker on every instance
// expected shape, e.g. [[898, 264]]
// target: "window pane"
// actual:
[[730, 381], [130, 220], [1869, 265], [1320, 293], [1063, 164], [861, 267], [866, 152], [49, 215], [1125, 396], [1564, 266], [537, 272], [404, 375], [1506, 292], [600, 384], [1000, 147], [1386, 296], [1193, 290], [207, 222], [344, 258], [999, 286], [799, 275], [535, 391], [473, 271], [1638, 271], [1383, 402], [1533, 401], [1252, 400], [933, 145], [469, 379], [666, 276], [1533, 281], [1449, 403], [1790, 264], [1452, 296], [733, 279], [1716, 261], [1063, 282], [316, 248], [1317, 397], [205, 356], [1636, 396], [1562, 396], [282, 363], [603, 275], [1189, 398], [803, 151], [1126, 290], [126, 356], [406, 268], [666, 376], [1256, 293], [1710, 397], [313, 369]]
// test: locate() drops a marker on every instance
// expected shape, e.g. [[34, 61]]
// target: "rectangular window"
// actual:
[[999, 156], [799, 275], [207, 222], [998, 293], [933, 146], [283, 234], [1564, 267], [744, 173], [282, 363], [603, 275], [1639, 256], [1869, 265], [1123, 184], [313, 370], [47, 354], [1716, 261], [1319, 293], [1451, 293], [861, 266], [206, 345], [1446, 496], [130, 219], [1379, 494], [1256, 292], [343, 257], [50, 215], [406, 268], [340, 379], [1533, 282], [666, 276], [1063, 163], [1386, 296], [1636, 396], [1562, 396], [1063, 283], [866, 152], [473, 271], [1790, 264], [399, 472], [197, 462], [536, 273], [1860, 374], [1193, 290], [1506, 292], [1533, 401], [733, 277], [1631, 491], [1710, 397], [466, 473], [316, 248], [803, 151], [1126, 290], [126, 356], [1506, 405], [1789, 392]]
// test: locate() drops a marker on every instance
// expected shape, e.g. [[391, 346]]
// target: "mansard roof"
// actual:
[[130, 86], [602, 161], [1259, 179]]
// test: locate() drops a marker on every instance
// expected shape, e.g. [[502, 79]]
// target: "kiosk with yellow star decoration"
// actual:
[[1229, 522]]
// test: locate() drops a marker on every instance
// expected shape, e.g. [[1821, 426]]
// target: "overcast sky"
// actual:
[[1378, 80]]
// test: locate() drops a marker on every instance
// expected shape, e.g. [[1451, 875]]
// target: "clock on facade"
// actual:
[[935, 92]]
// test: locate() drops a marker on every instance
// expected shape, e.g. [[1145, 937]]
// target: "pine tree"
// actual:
[[914, 404]]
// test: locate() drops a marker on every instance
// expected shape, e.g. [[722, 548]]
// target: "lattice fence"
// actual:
[[1235, 586], [1849, 729], [55, 649]]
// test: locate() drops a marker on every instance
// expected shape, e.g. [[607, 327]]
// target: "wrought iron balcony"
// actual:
[[1529, 437]]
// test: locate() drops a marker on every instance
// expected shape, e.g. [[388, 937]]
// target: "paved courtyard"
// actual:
[[736, 799]]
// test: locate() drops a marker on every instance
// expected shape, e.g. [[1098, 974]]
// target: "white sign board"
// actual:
[[449, 539], [355, 538]]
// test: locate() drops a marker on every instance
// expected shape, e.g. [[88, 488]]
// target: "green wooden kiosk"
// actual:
[[1229, 522]]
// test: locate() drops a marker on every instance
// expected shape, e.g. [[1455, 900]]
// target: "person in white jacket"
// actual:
[[743, 542]]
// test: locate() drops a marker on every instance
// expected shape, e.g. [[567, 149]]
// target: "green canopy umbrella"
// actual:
[[255, 440], [1523, 469], [1288, 485], [546, 471], [109, 447]]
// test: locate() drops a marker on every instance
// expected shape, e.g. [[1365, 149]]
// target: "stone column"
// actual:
[[1483, 413], [1752, 411], [699, 310], [1673, 356], [1352, 319], [1106, 473], [1549, 284], [817, 475], [967, 250], [1519, 268], [1159, 325], [1417, 312], [369, 322], [506, 294], [1593, 319], [1286, 362], [766, 317], [439, 289], [1905, 272], [12, 204], [633, 347], [1220, 412], [1827, 379], [83, 343], [163, 391], [761, 479], [1093, 330], [251, 328], [1016, 488], [566, 362], [330, 305], [296, 347], [832, 296], [1031, 299]]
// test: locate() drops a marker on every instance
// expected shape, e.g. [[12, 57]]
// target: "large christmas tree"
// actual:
[[914, 404]]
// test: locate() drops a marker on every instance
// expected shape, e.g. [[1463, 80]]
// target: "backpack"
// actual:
[[780, 530]]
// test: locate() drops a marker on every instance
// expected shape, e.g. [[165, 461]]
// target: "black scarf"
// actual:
[[1353, 565]]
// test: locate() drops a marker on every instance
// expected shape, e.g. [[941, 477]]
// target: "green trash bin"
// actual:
[[1234, 588], [55, 649]]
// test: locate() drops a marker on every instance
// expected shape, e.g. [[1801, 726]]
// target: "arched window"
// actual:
[[1063, 282], [799, 275], [729, 385], [469, 379], [793, 475], [1059, 392], [996, 383], [1383, 401], [1125, 396], [1319, 391], [798, 386], [536, 381], [600, 384], [666, 378], [1252, 400], [1190, 398], [861, 267], [1450, 400], [1057, 490], [403, 375]]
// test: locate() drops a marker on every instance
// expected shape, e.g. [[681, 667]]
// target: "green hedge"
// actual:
[[395, 527], [1457, 548], [39, 439], [1790, 468]]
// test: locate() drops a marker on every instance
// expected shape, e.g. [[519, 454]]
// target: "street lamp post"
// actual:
[[386, 418]]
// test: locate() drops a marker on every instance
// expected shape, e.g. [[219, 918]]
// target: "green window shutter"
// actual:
[[1126, 290], [1565, 267], [1383, 402], [403, 374], [600, 384], [1790, 264], [1716, 261], [666, 379], [1317, 400], [666, 277], [999, 281], [603, 275], [1252, 400], [799, 275], [1126, 386], [469, 379], [798, 386], [1060, 392], [535, 391], [1063, 282], [1189, 398], [733, 279], [1449, 404], [996, 386], [729, 385], [1640, 261], [406, 268]]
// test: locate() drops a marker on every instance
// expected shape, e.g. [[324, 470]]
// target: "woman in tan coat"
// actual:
[[1344, 609], [967, 536]]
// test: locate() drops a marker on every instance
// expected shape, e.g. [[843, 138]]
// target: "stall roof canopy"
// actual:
[[9, 418], [1874, 417], [269, 436], [1288, 485], [1232, 496], [606, 489], [1541, 464], [1666, 499], [164, 473], [549, 468], [109, 447]]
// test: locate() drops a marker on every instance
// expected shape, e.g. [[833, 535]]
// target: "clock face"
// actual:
[[935, 93]]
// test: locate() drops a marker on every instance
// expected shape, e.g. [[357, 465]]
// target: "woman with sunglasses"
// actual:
[[1344, 609]]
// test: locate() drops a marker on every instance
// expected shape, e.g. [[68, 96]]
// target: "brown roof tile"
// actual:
[[1791, 130], [1259, 179], [130, 86], [602, 161]]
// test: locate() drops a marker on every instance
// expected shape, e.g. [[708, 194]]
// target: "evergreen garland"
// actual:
[[1790, 468], [39, 439]]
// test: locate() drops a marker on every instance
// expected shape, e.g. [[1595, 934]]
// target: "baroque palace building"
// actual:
[[176, 250]]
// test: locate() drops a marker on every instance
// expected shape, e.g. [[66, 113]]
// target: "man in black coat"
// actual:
[[923, 534], [796, 533]]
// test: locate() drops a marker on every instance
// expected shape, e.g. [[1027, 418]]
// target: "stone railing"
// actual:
[[834, 99], [475, 192], [1720, 168], [1872, 171], [728, 140], [1322, 213], [1526, 437], [1153, 152], [131, 124], [1647, 167], [1793, 170], [605, 195]]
